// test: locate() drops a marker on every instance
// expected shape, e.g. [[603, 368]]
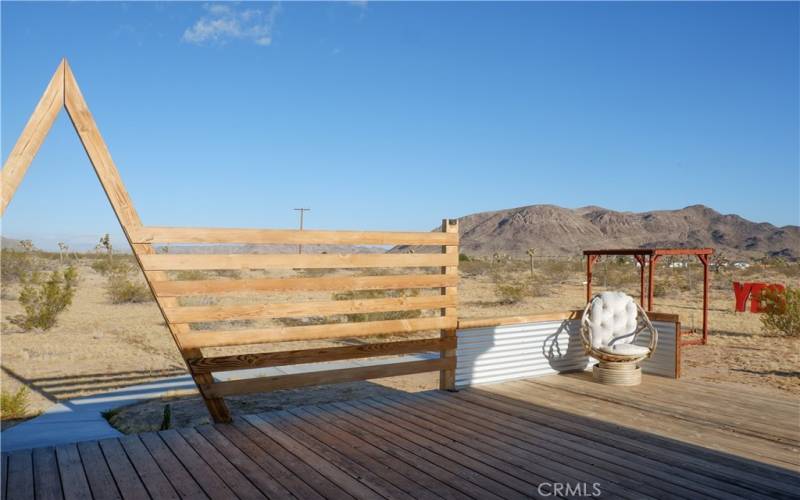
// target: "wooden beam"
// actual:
[[264, 384], [186, 262], [202, 338], [197, 314], [288, 236], [447, 378], [32, 137], [325, 283], [284, 358], [467, 323]]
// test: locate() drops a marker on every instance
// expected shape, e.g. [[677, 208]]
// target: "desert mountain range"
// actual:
[[558, 231], [554, 230]]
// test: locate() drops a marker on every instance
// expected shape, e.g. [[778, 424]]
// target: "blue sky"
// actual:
[[394, 116]]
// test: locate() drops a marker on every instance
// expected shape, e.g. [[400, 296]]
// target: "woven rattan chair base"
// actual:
[[617, 373]]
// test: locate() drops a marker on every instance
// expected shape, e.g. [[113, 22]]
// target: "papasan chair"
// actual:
[[611, 323]]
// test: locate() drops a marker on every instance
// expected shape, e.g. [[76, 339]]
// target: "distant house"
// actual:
[[678, 264], [740, 264]]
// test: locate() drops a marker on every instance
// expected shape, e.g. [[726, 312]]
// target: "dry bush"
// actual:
[[15, 265], [44, 300], [107, 266], [14, 404], [192, 275], [781, 313], [475, 267], [378, 294], [511, 290], [558, 270], [121, 289]]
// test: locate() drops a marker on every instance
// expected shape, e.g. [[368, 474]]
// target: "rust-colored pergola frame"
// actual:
[[647, 257]]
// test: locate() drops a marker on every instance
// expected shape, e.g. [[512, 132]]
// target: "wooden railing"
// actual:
[[437, 271]]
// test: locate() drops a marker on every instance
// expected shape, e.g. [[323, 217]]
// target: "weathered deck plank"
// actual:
[[663, 440]]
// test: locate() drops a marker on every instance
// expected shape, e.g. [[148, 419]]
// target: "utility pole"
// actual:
[[302, 212]]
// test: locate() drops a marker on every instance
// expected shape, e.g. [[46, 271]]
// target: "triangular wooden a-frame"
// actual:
[[441, 308], [63, 93]]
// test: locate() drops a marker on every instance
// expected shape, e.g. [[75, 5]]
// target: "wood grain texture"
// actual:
[[466, 323], [335, 283], [195, 314], [264, 384], [287, 236], [201, 338], [189, 262], [32, 137], [284, 358], [447, 378]]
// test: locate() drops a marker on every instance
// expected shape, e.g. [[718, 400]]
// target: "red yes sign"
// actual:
[[753, 290]]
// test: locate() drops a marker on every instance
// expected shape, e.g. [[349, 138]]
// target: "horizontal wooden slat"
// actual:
[[288, 236], [213, 287], [467, 323], [263, 360], [199, 339], [264, 384], [195, 314], [187, 262]]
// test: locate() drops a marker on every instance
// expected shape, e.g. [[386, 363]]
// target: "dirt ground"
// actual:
[[98, 346]]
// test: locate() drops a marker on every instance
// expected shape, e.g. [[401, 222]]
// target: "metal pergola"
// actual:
[[647, 257]]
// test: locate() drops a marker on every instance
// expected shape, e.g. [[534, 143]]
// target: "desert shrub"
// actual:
[[462, 257], [228, 273], [378, 294], [511, 292], [44, 300], [781, 311], [15, 265], [558, 270], [192, 275], [660, 289], [121, 289], [109, 266], [475, 267], [14, 404]]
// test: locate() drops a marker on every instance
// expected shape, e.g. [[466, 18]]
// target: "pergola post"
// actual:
[[651, 281], [590, 260], [641, 260], [704, 260]]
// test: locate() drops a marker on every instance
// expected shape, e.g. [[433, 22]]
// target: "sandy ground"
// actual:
[[98, 346]]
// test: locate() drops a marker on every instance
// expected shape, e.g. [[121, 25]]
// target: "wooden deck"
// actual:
[[664, 439]]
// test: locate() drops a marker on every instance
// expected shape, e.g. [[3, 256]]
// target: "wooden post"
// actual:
[[651, 280], [590, 260], [447, 377], [641, 260], [704, 260], [122, 204]]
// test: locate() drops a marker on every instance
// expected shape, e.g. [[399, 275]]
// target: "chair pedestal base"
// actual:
[[617, 373]]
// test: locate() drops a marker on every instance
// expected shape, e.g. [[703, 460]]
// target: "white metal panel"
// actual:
[[662, 362], [497, 354]]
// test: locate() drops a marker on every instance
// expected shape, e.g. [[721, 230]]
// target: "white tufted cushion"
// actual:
[[612, 315], [626, 349]]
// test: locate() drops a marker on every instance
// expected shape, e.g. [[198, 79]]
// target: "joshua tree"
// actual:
[[531, 252], [63, 249], [105, 242]]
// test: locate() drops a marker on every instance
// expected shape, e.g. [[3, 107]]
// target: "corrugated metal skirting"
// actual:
[[497, 354]]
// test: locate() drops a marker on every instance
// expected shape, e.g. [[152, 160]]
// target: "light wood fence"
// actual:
[[436, 271]]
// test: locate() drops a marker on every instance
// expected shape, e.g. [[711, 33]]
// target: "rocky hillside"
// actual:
[[553, 230]]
